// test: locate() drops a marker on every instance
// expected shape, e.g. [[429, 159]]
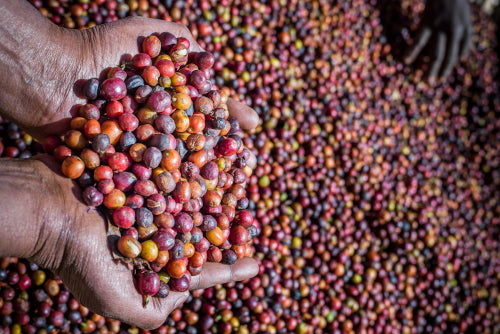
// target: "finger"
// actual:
[[421, 40], [108, 298], [252, 161], [148, 315], [106, 286], [438, 56], [218, 273], [154, 314], [466, 42], [247, 117], [452, 56]]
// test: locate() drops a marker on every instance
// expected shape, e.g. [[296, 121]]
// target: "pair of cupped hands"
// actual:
[[71, 237]]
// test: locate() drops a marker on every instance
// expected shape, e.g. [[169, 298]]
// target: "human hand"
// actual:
[[448, 24], [38, 93], [61, 233], [72, 242]]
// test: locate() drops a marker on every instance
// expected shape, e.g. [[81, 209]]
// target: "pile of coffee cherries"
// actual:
[[156, 148]]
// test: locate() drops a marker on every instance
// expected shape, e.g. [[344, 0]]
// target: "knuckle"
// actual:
[[186, 32]]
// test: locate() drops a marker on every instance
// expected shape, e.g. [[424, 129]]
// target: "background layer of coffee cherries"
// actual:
[[378, 193]]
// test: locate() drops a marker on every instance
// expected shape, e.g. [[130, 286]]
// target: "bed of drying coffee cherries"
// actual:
[[155, 146], [378, 193]]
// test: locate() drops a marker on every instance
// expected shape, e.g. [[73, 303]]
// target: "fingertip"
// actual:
[[252, 161], [246, 116], [195, 47], [253, 120], [446, 73], [408, 60], [244, 268]]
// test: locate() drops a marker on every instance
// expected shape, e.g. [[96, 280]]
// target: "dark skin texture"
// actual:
[[56, 230], [447, 25], [39, 96]]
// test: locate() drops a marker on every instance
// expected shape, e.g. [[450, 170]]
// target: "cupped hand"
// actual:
[[73, 243], [447, 24], [88, 52]]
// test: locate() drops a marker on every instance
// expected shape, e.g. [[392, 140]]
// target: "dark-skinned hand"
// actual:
[[447, 25]]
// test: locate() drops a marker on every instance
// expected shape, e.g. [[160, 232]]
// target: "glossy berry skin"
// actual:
[[129, 247], [180, 284], [152, 46], [164, 240], [124, 181], [118, 162], [124, 217], [91, 89], [166, 67], [103, 173], [113, 89], [159, 101], [183, 222], [228, 257], [128, 122], [243, 218], [239, 235], [56, 318], [92, 197], [114, 109], [205, 60], [148, 283], [72, 167], [24, 282], [167, 40], [141, 60], [115, 199], [163, 291], [228, 147], [100, 143]]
